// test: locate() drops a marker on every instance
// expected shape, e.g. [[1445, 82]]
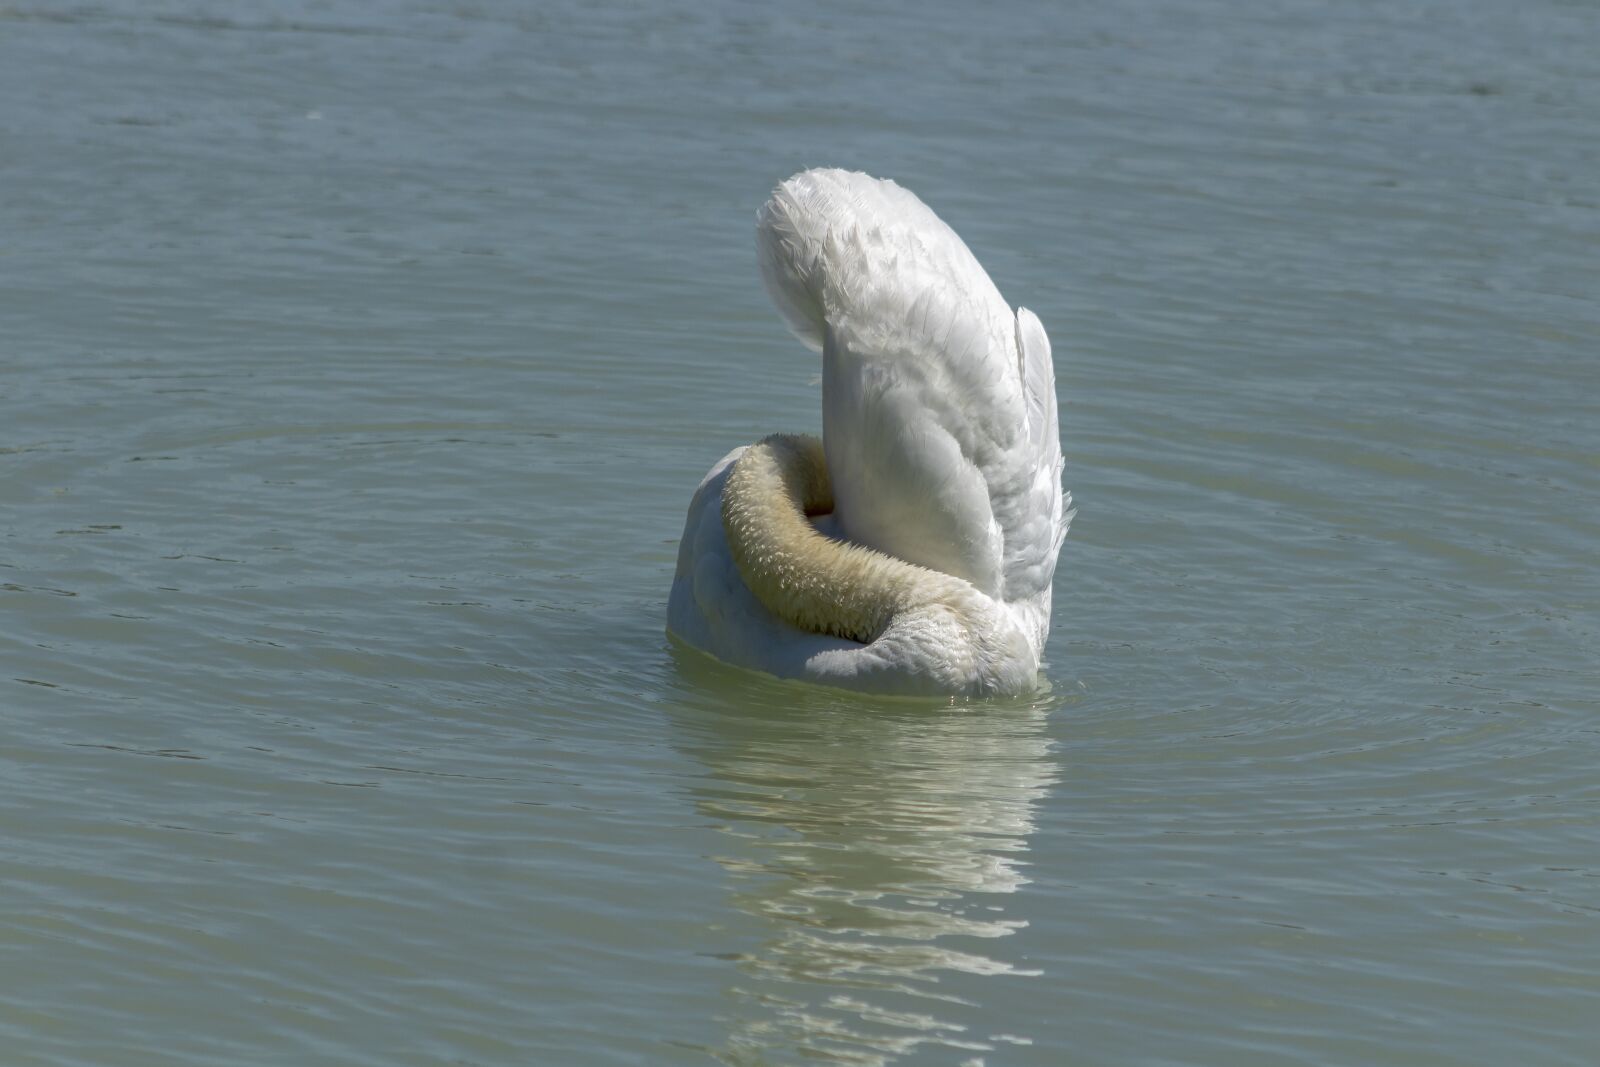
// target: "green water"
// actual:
[[357, 362]]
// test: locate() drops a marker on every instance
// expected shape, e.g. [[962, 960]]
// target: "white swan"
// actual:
[[912, 549]]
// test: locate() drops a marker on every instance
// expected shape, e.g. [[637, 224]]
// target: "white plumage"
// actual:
[[942, 447]]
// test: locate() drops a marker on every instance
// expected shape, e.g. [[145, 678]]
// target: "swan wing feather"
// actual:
[[939, 408]]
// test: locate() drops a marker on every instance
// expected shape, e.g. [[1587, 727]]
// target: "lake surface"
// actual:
[[358, 360]]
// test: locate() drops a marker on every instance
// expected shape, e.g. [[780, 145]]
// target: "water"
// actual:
[[359, 361]]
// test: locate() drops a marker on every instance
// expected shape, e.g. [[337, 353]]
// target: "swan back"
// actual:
[[939, 410]]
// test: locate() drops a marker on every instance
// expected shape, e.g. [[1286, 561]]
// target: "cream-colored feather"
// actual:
[[806, 579]]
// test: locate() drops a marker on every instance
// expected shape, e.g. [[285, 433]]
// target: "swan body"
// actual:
[[912, 549]]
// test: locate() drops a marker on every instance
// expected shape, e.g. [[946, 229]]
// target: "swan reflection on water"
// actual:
[[870, 848]]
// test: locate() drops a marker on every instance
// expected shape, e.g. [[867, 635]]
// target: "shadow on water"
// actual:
[[870, 847]]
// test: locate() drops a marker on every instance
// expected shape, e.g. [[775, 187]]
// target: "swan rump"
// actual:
[[912, 549]]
